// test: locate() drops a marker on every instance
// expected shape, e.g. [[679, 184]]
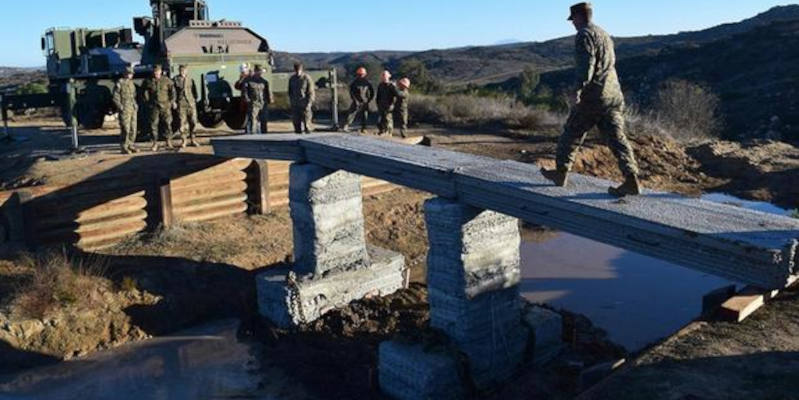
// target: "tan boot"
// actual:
[[183, 143], [557, 176], [630, 187], [154, 147], [193, 142]]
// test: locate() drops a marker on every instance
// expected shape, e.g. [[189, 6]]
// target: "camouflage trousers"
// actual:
[[358, 111], [610, 122], [128, 124], [160, 117], [401, 118], [385, 121], [300, 116], [187, 117], [257, 119]]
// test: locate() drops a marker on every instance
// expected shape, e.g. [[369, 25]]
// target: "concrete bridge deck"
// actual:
[[735, 243]]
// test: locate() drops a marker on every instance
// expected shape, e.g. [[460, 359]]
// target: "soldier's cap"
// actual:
[[584, 9], [158, 67], [129, 70], [259, 68], [404, 83], [182, 66]]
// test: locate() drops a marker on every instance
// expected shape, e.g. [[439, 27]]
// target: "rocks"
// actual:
[[547, 328], [408, 372]]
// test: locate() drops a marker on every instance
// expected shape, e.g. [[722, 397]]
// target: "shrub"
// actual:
[[687, 110], [57, 280], [471, 111], [32, 88]]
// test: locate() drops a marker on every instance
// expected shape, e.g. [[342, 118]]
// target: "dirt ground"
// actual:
[[190, 267]]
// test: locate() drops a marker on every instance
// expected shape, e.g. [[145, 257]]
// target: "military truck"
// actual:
[[89, 61]]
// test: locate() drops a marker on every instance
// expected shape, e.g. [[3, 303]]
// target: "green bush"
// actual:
[[32, 88]]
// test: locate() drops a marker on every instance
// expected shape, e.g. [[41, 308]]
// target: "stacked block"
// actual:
[[333, 265]]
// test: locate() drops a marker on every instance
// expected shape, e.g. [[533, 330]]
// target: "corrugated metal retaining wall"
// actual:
[[103, 211]]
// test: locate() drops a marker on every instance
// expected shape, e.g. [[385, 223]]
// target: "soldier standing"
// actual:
[[187, 106], [598, 102], [128, 108], [159, 95], [362, 93], [302, 95], [386, 99], [259, 96], [401, 105]]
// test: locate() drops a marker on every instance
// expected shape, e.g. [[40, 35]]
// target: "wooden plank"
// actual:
[[208, 204], [745, 303], [165, 204], [199, 194], [258, 187]]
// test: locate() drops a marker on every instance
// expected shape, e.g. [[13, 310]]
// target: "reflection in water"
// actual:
[[635, 298], [202, 363]]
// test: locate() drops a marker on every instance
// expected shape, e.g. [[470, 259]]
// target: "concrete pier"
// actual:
[[332, 264]]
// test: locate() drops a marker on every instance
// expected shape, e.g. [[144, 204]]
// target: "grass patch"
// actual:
[[54, 280]]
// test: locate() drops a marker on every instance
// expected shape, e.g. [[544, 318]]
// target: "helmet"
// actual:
[[404, 83], [361, 71]]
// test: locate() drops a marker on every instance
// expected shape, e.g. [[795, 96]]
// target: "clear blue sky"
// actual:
[[312, 25]]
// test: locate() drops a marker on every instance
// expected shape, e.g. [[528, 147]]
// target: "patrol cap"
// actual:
[[129, 70], [182, 66], [158, 67], [259, 68], [584, 9]]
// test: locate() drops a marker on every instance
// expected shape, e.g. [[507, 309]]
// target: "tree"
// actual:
[[690, 110], [529, 80], [416, 71], [32, 88]]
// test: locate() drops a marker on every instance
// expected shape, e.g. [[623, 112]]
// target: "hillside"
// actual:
[[490, 64], [755, 74]]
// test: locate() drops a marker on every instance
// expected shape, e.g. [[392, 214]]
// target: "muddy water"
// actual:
[[635, 298], [207, 362]]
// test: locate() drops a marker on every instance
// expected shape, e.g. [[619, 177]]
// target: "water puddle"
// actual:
[[635, 298], [207, 362]]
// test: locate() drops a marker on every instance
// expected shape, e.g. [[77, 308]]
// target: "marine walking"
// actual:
[[598, 101]]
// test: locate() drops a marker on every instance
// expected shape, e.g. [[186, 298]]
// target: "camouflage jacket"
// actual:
[[301, 91], [125, 95], [401, 104], [386, 96], [184, 90], [159, 93], [362, 91], [257, 91], [596, 78]]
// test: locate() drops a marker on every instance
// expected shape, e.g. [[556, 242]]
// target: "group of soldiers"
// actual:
[[392, 102], [596, 97], [161, 95]]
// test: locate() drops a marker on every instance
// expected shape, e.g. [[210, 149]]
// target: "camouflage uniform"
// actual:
[[259, 96], [600, 102], [128, 108], [302, 95], [187, 106], [159, 95], [386, 99], [401, 110], [362, 93]]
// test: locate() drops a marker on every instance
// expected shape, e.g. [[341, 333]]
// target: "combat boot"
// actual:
[[126, 150], [193, 142], [630, 187], [133, 149], [403, 134], [183, 143], [154, 148], [558, 176]]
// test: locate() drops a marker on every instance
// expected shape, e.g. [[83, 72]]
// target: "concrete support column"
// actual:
[[472, 277], [327, 215], [333, 265]]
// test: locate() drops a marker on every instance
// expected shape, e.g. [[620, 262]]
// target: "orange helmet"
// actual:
[[361, 71], [404, 83]]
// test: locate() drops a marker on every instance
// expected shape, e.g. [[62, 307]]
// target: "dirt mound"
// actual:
[[762, 170]]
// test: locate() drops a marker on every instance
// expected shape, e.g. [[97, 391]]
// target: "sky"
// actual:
[[317, 25]]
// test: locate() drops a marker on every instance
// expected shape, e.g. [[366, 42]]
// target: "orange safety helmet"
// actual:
[[404, 83], [361, 71]]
